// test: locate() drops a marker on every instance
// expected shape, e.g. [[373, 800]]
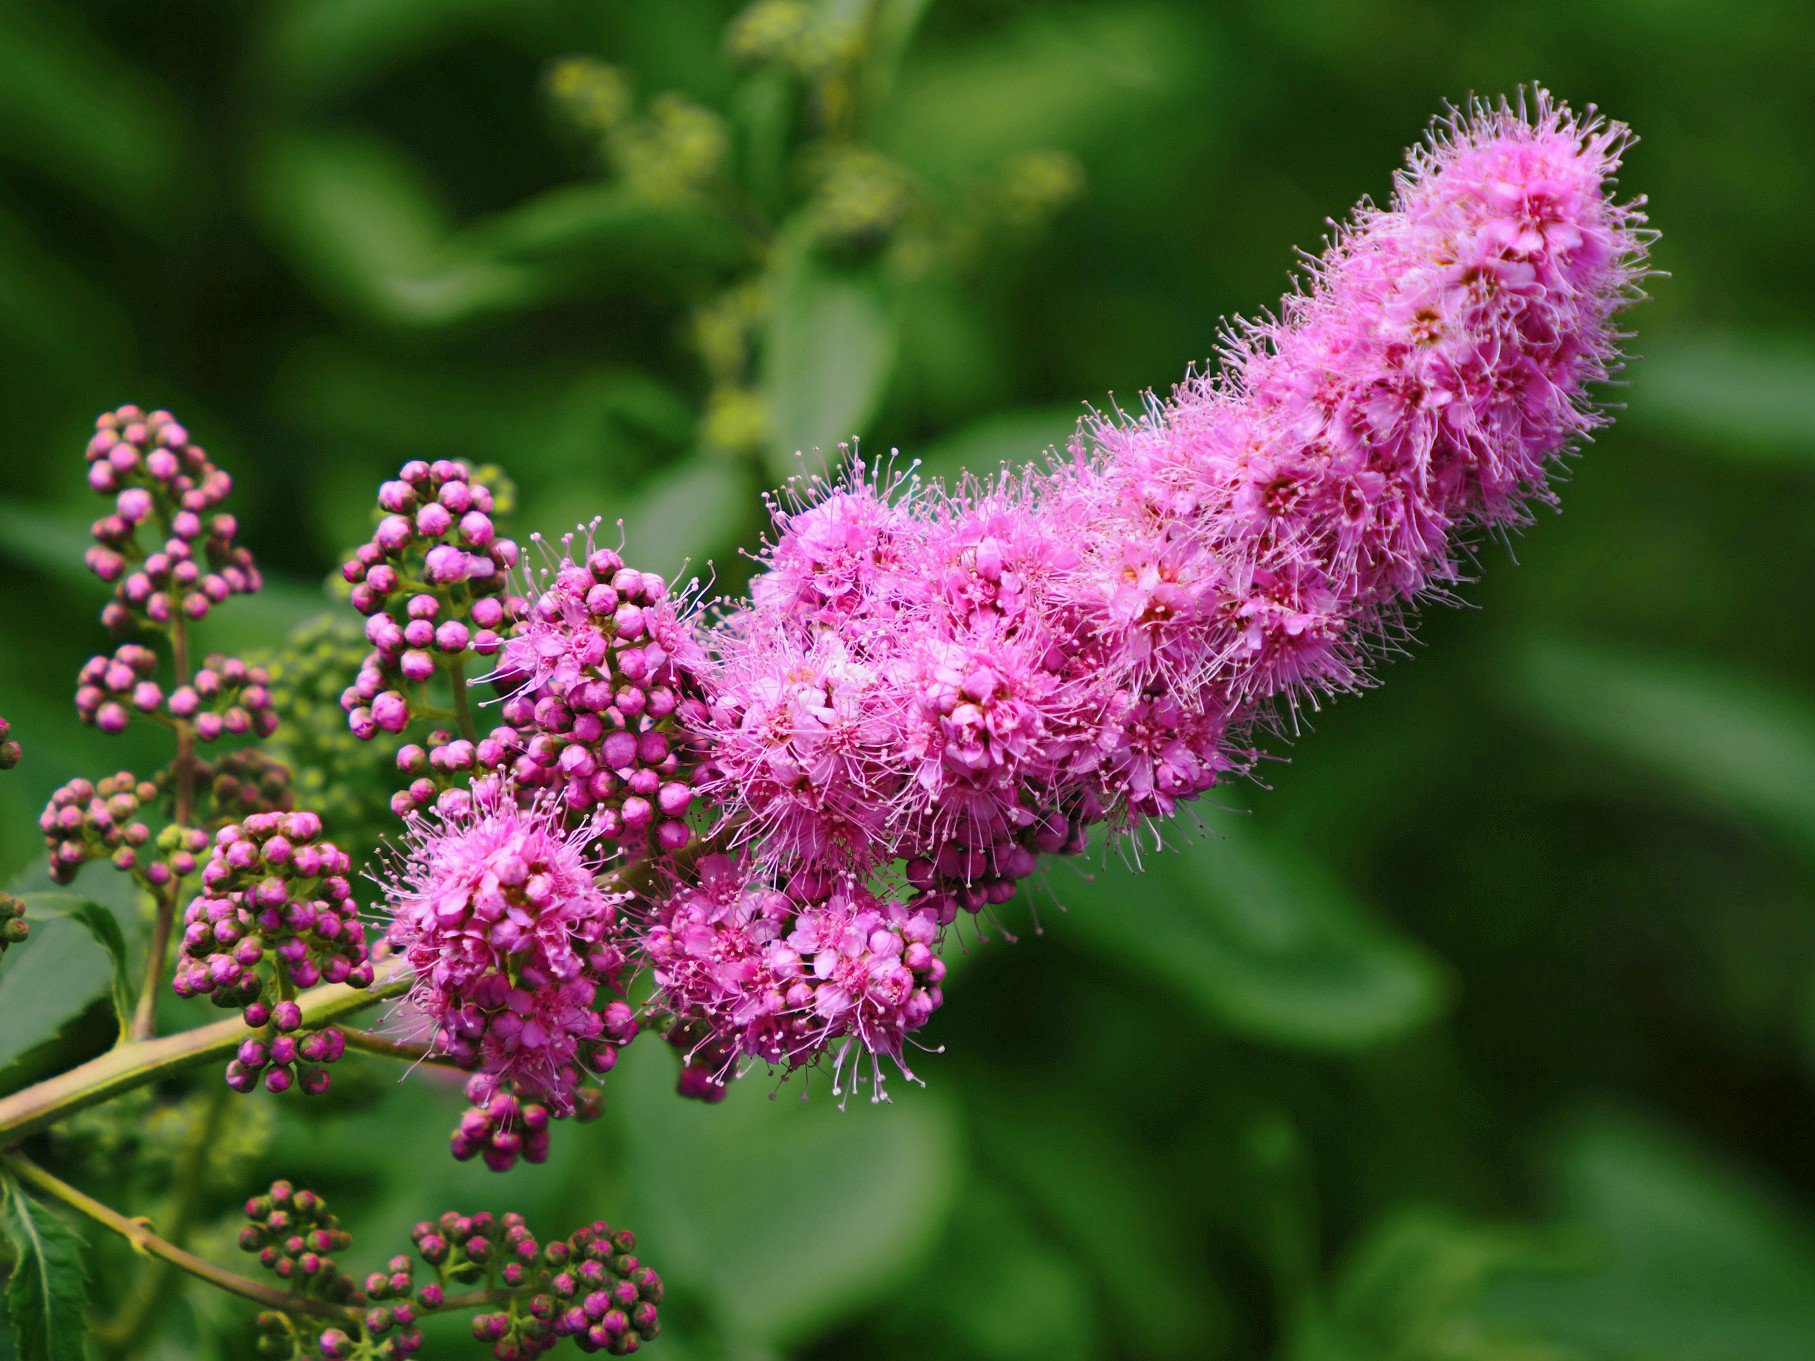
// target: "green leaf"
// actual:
[[92, 118], [56, 986], [640, 232], [1261, 941], [1014, 437], [1128, 1227], [857, 1196], [827, 360], [696, 510], [1075, 79], [1696, 1262], [1740, 746], [1751, 395], [1412, 1290], [103, 928], [330, 48], [359, 219], [48, 1291]]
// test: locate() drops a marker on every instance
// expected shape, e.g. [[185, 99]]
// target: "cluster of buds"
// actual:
[[590, 1287], [502, 1126], [295, 1236], [159, 478], [861, 200], [275, 912], [433, 584], [86, 820], [279, 1057], [10, 751], [672, 150], [13, 926], [794, 36], [447, 762], [247, 781], [224, 698], [599, 671]]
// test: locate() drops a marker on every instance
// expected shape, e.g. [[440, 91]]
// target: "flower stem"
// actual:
[[144, 1016], [141, 1061], [151, 1290], [144, 1240], [157, 954], [463, 703], [374, 1043]]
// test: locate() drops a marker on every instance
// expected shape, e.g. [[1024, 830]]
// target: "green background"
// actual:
[[1484, 1032]]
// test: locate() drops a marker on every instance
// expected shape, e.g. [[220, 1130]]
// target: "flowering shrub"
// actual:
[[753, 828]]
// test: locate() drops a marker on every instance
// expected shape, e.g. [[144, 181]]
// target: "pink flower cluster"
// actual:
[[158, 477], [511, 941], [275, 915], [224, 698], [930, 688], [106, 820], [433, 583], [956, 681], [598, 673], [784, 978]]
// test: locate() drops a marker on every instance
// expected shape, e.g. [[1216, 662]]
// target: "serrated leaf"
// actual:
[[1261, 941], [827, 360], [104, 928], [48, 1291]]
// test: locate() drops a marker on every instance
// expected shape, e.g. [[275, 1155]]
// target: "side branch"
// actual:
[[144, 1240], [139, 1062]]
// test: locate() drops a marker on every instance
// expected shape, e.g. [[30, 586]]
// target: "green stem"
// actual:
[[141, 1061], [144, 1240], [144, 1015], [151, 1291], [463, 702], [157, 955], [373, 1043]]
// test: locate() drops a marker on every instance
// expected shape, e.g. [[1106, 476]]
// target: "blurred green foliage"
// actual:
[[1486, 1035]]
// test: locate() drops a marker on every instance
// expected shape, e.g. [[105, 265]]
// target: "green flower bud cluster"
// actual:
[[674, 149], [790, 35], [860, 200], [1035, 187], [347, 781]]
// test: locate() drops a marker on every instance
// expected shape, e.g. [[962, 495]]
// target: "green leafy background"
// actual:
[[1485, 1033]]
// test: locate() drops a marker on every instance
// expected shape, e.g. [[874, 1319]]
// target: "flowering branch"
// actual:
[[139, 1062], [776, 811], [143, 1240]]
